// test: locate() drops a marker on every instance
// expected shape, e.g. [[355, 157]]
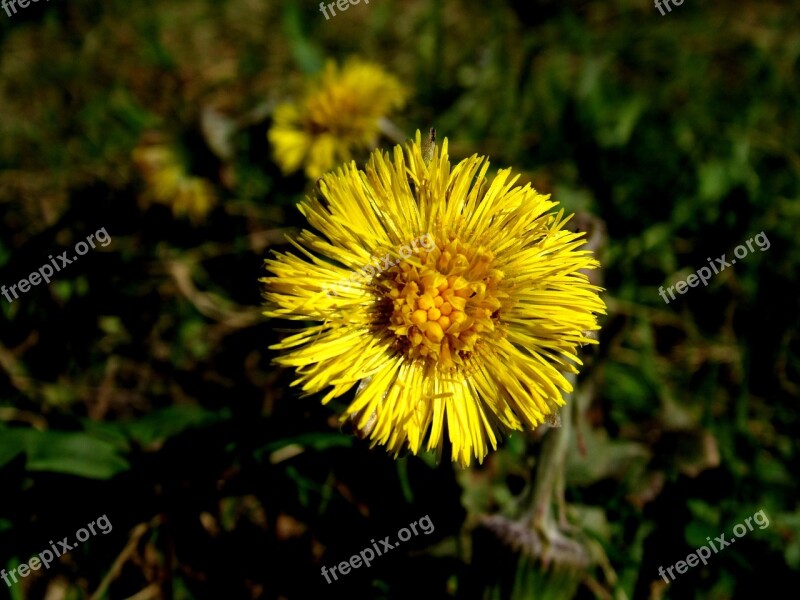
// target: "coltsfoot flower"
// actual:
[[465, 341], [168, 182], [339, 114]]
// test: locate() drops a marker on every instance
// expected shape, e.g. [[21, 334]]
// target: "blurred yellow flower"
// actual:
[[339, 114], [167, 181], [466, 337]]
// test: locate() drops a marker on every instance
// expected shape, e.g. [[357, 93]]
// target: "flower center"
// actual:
[[443, 302]]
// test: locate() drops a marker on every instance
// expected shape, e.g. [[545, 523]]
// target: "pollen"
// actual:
[[443, 303]]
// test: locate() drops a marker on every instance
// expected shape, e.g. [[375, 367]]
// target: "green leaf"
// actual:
[[405, 483], [168, 422], [73, 453], [306, 53], [12, 445]]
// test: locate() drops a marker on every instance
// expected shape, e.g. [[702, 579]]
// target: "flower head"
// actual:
[[339, 114], [465, 336], [168, 182]]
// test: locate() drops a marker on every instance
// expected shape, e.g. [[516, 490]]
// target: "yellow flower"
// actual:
[[167, 181], [452, 303], [340, 114]]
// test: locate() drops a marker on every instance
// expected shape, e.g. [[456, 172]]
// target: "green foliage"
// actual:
[[139, 383]]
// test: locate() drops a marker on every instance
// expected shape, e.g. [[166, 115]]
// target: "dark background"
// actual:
[[138, 384]]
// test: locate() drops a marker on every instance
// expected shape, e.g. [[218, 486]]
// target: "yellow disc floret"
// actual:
[[443, 303]]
